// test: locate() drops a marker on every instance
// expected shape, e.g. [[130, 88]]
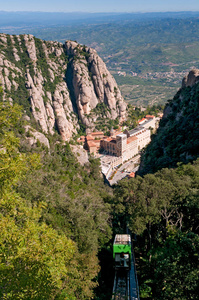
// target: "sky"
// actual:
[[100, 5]]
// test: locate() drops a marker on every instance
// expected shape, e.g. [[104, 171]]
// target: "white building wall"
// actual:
[[149, 123], [144, 138], [131, 150]]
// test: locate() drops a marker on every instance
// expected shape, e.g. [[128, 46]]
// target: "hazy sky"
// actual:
[[100, 5]]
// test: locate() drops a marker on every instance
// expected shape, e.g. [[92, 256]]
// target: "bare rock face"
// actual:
[[80, 153], [35, 136], [191, 78], [30, 45], [106, 87], [93, 84], [37, 77]]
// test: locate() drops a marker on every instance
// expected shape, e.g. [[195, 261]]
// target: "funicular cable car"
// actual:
[[122, 251]]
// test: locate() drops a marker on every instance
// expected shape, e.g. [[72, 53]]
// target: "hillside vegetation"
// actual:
[[53, 217], [162, 209], [57, 217], [177, 138]]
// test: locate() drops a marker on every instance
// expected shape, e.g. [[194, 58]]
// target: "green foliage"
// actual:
[[176, 139], [175, 267], [103, 121], [81, 51], [21, 96], [9, 49], [163, 210], [40, 211], [135, 114], [44, 67], [1, 92], [75, 197]]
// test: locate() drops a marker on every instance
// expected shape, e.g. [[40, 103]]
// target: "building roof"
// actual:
[[97, 133], [109, 139], [142, 120], [132, 175], [136, 130], [131, 139], [150, 117], [121, 135], [89, 137], [91, 144]]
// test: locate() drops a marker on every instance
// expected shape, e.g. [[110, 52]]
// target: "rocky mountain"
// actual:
[[177, 139], [59, 84]]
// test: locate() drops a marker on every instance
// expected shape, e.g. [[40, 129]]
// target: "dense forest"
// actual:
[[162, 209], [176, 139], [53, 218], [57, 217]]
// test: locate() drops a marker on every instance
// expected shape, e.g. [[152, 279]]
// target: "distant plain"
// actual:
[[148, 54]]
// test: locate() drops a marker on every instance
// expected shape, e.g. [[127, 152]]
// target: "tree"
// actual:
[[175, 267], [36, 261], [162, 208]]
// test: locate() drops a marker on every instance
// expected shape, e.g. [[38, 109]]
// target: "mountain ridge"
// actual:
[[176, 140], [59, 83]]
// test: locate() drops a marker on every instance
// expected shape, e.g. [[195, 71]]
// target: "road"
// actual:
[[125, 169]]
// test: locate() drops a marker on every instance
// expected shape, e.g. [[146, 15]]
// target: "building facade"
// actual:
[[127, 144], [124, 145]]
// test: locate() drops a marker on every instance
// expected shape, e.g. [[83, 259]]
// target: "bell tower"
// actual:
[[121, 142]]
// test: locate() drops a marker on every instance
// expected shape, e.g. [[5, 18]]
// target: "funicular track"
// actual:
[[125, 282], [121, 286]]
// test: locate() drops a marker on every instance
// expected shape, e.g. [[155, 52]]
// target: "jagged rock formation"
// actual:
[[33, 137], [93, 83], [191, 78], [176, 139], [58, 83], [80, 154]]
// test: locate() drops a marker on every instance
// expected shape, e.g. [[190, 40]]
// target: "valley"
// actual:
[[58, 215], [151, 47]]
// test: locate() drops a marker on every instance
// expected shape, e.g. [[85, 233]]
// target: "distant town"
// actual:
[[119, 153], [170, 76]]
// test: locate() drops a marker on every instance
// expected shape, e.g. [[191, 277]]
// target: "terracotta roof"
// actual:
[[96, 141], [91, 144], [89, 137], [142, 120], [132, 175], [131, 139], [150, 116], [97, 133], [108, 139]]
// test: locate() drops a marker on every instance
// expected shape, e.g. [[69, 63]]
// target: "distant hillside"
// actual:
[[177, 139], [19, 20], [149, 48]]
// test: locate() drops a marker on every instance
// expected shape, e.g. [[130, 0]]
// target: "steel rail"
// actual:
[[121, 287]]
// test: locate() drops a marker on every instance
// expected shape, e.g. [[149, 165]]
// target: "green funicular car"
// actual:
[[122, 251]]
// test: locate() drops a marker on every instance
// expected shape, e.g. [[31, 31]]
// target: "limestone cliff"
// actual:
[[57, 84]]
